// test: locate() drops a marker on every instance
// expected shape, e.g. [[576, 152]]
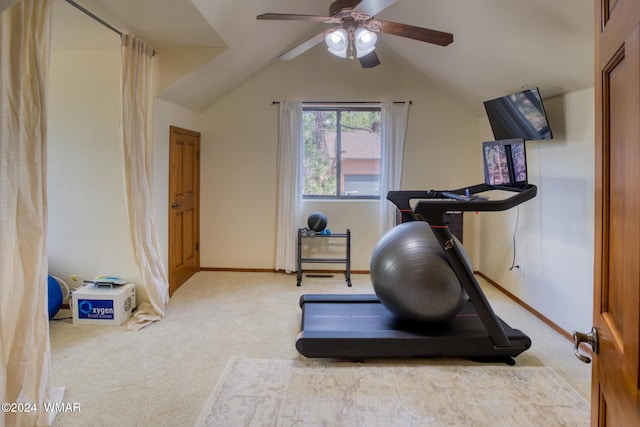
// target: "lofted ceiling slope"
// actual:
[[500, 46]]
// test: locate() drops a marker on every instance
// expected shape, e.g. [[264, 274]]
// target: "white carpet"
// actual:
[[262, 392], [163, 374]]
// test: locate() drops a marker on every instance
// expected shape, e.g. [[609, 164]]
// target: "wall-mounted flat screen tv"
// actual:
[[519, 115], [505, 163]]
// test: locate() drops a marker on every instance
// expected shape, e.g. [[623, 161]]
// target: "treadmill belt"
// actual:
[[359, 326]]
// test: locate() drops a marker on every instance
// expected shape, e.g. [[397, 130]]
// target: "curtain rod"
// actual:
[[344, 102], [94, 16], [100, 20]]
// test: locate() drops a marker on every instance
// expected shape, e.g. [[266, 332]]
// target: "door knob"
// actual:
[[590, 338], [175, 205]]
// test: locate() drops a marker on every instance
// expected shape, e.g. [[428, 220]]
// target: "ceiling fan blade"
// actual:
[[373, 7], [416, 33], [303, 47], [370, 60], [291, 17], [340, 5]]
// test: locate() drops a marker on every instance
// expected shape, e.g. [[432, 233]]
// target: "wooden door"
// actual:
[[184, 206], [615, 385]]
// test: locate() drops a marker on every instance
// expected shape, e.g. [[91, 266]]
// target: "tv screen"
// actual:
[[519, 115], [505, 163]]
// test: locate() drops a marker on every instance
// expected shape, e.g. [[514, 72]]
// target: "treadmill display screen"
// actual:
[[505, 163]]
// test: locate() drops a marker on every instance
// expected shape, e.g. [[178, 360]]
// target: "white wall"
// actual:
[[239, 151], [88, 229], [88, 225], [6, 4], [554, 239]]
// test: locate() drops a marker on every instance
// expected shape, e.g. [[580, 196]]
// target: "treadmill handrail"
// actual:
[[433, 204]]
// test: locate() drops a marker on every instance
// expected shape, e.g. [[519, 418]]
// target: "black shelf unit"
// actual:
[[346, 260]]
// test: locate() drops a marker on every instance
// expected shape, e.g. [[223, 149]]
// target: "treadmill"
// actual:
[[360, 327]]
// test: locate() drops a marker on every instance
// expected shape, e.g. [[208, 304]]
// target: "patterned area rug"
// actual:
[[257, 392]]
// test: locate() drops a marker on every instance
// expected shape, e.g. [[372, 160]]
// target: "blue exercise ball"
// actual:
[[317, 221], [412, 277], [55, 296]]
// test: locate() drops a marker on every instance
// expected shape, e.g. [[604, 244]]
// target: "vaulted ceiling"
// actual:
[[500, 46]]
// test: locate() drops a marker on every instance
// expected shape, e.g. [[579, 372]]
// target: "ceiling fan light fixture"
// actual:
[[350, 16], [337, 42], [365, 41]]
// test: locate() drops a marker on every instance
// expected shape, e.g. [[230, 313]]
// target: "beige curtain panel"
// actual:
[[136, 120], [394, 131], [25, 357], [289, 185]]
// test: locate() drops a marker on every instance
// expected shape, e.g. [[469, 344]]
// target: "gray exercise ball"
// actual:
[[412, 277]]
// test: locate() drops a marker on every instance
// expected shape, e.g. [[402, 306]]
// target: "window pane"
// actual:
[[357, 185], [360, 153], [341, 152], [319, 137]]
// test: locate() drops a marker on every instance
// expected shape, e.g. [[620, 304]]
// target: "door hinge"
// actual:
[[197, 246]]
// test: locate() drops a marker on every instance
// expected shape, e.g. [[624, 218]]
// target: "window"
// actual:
[[342, 152]]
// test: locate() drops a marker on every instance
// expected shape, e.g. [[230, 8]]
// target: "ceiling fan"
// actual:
[[354, 30]]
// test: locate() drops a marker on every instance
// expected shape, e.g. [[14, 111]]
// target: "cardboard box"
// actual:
[[103, 305]]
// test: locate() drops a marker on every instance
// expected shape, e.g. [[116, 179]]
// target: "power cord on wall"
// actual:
[[513, 261]]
